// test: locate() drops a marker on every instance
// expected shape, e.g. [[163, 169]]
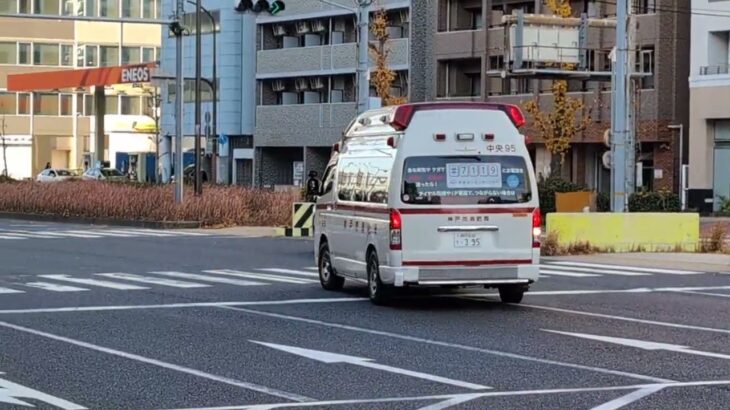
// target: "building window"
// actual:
[[7, 103], [45, 104], [148, 54], [108, 56], [67, 55], [80, 104], [111, 105], [46, 7], [149, 8], [89, 108], [23, 104], [130, 105], [8, 53], [205, 23], [24, 53], [130, 55], [645, 65], [66, 104], [45, 54], [131, 9], [109, 8], [8, 6], [24, 6], [90, 8], [643, 6], [91, 56]]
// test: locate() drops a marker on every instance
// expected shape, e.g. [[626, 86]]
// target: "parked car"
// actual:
[[189, 175], [55, 175], [104, 174]]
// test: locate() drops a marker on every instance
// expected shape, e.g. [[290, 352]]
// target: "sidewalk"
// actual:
[[687, 261]]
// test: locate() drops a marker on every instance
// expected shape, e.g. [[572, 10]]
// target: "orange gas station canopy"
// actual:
[[87, 77]]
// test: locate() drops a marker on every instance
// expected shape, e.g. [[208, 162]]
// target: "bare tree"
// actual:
[[153, 104], [5, 146], [382, 75]]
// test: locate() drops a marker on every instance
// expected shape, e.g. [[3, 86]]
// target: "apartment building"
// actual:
[[55, 126], [709, 81], [469, 50]]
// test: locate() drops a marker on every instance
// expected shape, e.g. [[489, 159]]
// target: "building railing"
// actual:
[[715, 69]]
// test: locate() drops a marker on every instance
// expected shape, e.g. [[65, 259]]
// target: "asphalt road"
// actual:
[[115, 318]]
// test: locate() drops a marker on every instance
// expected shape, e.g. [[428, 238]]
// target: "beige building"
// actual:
[[54, 126], [709, 147]]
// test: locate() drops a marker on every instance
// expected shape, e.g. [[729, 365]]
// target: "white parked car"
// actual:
[[104, 174], [434, 194], [55, 175]]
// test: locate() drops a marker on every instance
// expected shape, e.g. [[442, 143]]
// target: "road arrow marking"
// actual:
[[331, 358], [642, 344]]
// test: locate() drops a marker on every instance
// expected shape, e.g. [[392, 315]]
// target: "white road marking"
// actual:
[[19, 235], [629, 398], [595, 270], [181, 305], [8, 291], [445, 344], [156, 281], [11, 237], [452, 402], [330, 358], [512, 393], [262, 276], [103, 233], [160, 234], [567, 273], [94, 282], [594, 291], [166, 232], [642, 344], [54, 287], [628, 319], [313, 268], [204, 278], [290, 272], [690, 292], [164, 365], [11, 393], [71, 235], [632, 268]]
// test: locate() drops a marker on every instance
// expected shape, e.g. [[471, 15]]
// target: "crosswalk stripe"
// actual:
[[208, 278], [103, 233], [313, 268], [8, 290], [155, 281], [262, 276], [94, 282], [289, 272], [565, 273], [631, 268], [53, 287], [71, 235], [595, 270], [138, 233], [11, 237], [23, 235], [168, 232]]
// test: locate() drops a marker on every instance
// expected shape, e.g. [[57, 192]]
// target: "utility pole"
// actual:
[[363, 62], [620, 132], [198, 108], [179, 100]]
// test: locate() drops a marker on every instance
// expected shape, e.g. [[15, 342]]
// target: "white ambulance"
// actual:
[[434, 194]]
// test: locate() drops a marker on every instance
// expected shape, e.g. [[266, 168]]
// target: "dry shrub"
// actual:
[[218, 206], [550, 246], [716, 241]]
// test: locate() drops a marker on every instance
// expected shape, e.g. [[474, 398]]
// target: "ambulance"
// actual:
[[430, 194]]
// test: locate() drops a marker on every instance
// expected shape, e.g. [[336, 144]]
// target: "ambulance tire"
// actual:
[[512, 293], [327, 276], [378, 292]]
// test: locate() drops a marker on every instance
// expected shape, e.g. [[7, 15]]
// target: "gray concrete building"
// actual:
[[461, 52], [306, 62]]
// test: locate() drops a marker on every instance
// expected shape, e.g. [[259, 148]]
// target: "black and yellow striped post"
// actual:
[[302, 221]]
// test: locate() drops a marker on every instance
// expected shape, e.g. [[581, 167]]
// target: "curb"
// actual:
[[294, 232], [102, 221]]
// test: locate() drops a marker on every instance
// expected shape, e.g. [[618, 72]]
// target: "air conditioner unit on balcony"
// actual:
[[316, 83], [301, 84], [279, 30], [318, 26], [303, 27], [405, 16], [278, 86]]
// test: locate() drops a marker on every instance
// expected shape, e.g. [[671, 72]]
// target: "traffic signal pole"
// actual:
[[620, 133], [198, 108]]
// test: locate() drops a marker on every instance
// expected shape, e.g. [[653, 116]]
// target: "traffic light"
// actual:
[[257, 6]]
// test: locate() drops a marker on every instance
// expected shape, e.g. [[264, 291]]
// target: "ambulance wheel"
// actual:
[[512, 293], [327, 276], [378, 292]]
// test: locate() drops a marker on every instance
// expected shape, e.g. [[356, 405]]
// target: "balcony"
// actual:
[[320, 60], [723, 69], [314, 125]]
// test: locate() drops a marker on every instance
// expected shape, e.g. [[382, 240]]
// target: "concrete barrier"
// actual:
[[626, 232]]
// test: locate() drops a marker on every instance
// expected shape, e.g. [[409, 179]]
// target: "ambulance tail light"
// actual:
[[396, 224], [515, 114], [536, 227]]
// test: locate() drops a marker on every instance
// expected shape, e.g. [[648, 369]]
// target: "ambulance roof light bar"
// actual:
[[403, 114]]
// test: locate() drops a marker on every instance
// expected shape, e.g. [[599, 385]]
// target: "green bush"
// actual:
[[658, 201], [547, 188], [724, 208], [603, 202]]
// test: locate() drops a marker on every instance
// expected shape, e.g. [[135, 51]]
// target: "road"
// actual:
[[118, 318]]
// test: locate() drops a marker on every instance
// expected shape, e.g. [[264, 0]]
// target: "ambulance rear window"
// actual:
[[466, 180]]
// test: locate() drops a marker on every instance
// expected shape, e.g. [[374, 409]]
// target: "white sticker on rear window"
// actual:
[[474, 175]]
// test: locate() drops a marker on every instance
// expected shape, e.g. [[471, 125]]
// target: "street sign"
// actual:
[[298, 173]]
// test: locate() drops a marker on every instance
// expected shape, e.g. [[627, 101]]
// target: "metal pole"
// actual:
[[198, 108], [619, 111], [179, 101], [363, 42], [214, 165]]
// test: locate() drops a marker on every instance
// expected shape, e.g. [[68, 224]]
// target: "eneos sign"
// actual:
[[140, 74]]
